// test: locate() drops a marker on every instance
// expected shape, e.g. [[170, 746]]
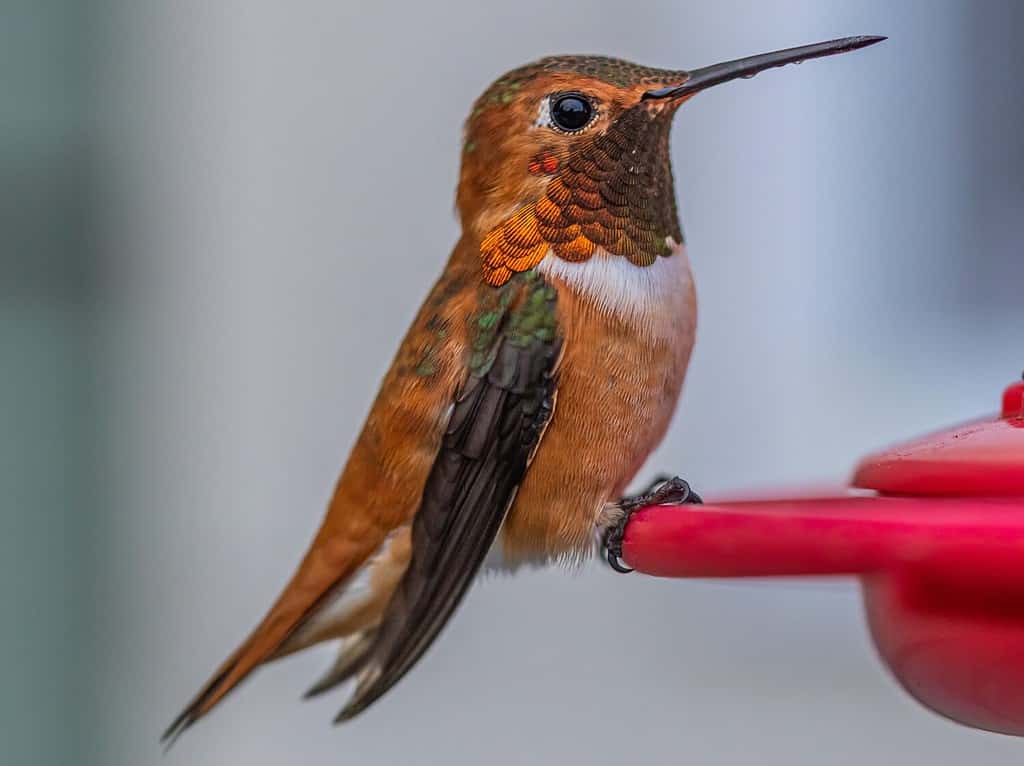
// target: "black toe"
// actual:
[[665, 490]]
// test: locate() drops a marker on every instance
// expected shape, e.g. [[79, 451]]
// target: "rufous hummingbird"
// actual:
[[539, 374]]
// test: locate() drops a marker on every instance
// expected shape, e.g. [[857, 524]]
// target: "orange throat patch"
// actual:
[[614, 193]]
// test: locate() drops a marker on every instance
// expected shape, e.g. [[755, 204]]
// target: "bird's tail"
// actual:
[[231, 673], [353, 653], [265, 643], [280, 632], [351, 657]]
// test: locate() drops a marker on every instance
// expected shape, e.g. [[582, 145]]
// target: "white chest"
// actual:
[[658, 299]]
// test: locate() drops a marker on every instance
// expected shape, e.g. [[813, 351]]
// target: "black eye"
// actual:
[[571, 111]]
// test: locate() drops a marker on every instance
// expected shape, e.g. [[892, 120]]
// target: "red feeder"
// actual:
[[938, 542]]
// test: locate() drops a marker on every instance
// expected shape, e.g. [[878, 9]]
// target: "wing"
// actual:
[[382, 483], [496, 424]]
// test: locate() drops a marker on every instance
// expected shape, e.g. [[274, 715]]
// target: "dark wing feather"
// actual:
[[495, 427]]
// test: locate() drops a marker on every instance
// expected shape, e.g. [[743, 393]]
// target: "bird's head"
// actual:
[[570, 155]]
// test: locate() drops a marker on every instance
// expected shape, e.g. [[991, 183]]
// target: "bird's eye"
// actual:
[[571, 112]]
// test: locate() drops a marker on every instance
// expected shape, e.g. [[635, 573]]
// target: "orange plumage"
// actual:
[[540, 372], [603, 386]]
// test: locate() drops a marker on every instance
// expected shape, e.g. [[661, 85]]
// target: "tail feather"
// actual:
[[214, 690], [261, 646], [355, 650], [315, 585]]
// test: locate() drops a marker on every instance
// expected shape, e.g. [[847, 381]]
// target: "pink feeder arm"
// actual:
[[937, 540]]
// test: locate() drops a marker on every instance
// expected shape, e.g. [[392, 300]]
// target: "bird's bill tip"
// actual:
[[707, 77]]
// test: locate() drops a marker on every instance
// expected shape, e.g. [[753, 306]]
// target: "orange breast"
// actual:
[[620, 380]]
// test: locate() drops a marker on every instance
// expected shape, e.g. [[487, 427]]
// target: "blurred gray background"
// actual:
[[217, 219]]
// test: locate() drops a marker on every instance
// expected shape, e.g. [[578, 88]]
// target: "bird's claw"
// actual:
[[662, 491], [665, 491], [613, 549]]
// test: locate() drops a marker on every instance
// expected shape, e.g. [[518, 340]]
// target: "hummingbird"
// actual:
[[542, 369]]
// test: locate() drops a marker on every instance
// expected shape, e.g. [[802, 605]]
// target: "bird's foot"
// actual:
[[664, 490]]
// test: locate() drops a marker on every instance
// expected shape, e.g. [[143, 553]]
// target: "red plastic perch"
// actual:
[[938, 545]]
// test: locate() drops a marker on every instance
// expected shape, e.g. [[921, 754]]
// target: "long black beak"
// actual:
[[708, 76]]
